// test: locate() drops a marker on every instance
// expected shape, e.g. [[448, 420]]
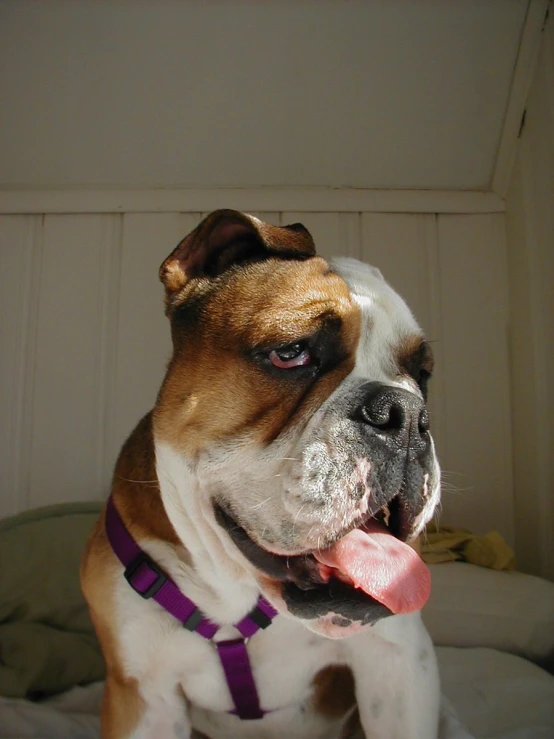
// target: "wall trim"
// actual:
[[524, 70], [302, 199]]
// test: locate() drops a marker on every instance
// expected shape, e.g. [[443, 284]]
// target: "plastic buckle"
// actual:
[[194, 620], [261, 619], [131, 569]]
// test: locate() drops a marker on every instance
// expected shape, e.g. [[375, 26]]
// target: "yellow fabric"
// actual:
[[448, 544]]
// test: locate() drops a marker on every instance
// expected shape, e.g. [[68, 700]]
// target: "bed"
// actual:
[[494, 633]]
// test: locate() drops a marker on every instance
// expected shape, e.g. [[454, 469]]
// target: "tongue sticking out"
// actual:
[[383, 567]]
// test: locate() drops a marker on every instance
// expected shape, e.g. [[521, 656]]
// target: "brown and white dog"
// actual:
[[288, 455]]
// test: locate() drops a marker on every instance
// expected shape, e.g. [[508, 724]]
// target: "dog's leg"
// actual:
[[151, 710], [127, 715], [397, 682]]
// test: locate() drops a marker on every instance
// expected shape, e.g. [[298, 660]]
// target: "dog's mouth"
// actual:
[[367, 572]]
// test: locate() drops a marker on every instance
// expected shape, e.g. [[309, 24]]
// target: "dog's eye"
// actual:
[[287, 357]]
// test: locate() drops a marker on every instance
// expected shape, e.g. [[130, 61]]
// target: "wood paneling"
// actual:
[[144, 344], [20, 267], [102, 341], [476, 451], [405, 249], [334, 233], [70, 387], [397, 244], [530, 248]]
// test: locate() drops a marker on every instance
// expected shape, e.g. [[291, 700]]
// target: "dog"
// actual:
[[263, 508]]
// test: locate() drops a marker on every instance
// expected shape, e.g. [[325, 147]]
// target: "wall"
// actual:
[[114, 100], [84, 339], [279, 92], [530, 248]]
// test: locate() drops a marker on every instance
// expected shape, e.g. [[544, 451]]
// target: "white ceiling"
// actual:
[[380, 94]]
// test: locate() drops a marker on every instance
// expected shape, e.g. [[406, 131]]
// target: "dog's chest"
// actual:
[[161, 654]]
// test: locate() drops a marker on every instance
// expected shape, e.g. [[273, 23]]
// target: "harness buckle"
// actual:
[[194, 620], [261, 619], [133, 568]]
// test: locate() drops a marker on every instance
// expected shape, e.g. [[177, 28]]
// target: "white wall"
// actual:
[[280, 92], [530, 247], [85, 339], [386, 94]]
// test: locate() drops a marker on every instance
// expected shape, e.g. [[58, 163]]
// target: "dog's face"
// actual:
[[296, 395]]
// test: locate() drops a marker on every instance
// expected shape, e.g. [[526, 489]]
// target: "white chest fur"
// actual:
[[393, 662], [174, 667]]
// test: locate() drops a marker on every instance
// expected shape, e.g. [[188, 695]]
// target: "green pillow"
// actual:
[[47, 642]]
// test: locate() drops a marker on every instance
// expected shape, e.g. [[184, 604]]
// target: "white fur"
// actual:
[[393, 661], [385, 319]]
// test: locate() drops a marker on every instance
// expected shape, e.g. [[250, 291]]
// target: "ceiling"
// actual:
[[358, 93]]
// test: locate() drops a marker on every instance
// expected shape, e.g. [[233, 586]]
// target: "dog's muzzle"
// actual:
[[397, 417]]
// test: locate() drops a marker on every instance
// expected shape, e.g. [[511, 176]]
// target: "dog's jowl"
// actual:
[[251, 575]]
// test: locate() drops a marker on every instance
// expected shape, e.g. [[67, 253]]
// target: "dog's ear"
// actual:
[[227, 237]]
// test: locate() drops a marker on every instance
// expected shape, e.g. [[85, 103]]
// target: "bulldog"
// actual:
[[251, 575]]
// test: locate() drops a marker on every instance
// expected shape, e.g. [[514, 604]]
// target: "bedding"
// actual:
[[509, 611], [448, 544], [47, 642], [488, 694], [493, 630]]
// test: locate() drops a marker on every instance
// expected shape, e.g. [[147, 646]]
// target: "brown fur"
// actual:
[[137, 496], [135, 487], [286, 302], [122, 705], [334, 691], [352, 727], [413, 355], [226, 237], [218, 323]]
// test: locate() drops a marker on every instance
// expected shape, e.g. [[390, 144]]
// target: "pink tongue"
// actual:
[[382, 566]]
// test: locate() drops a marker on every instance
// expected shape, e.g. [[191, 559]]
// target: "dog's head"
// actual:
[[296, 395]]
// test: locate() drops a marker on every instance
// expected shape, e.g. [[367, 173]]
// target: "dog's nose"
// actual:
[[399, 417]]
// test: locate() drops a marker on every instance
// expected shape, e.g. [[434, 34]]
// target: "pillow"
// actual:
[[475, 607], [47, 642], [498, 694]]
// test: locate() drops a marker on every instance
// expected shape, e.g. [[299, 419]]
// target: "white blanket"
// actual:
[[496, 695], [74, 715]]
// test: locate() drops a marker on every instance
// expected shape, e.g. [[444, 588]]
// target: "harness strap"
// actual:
[[150, 581], [238, 672]]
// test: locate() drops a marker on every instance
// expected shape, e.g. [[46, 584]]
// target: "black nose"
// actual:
[[399, 417]]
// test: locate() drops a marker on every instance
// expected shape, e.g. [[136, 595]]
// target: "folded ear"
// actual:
[[228, 237]]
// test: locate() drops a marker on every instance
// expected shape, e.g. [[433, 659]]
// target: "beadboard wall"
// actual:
[[84, 340], [530, 251]]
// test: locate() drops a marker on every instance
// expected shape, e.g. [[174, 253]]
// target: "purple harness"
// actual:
[[150, 581]]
